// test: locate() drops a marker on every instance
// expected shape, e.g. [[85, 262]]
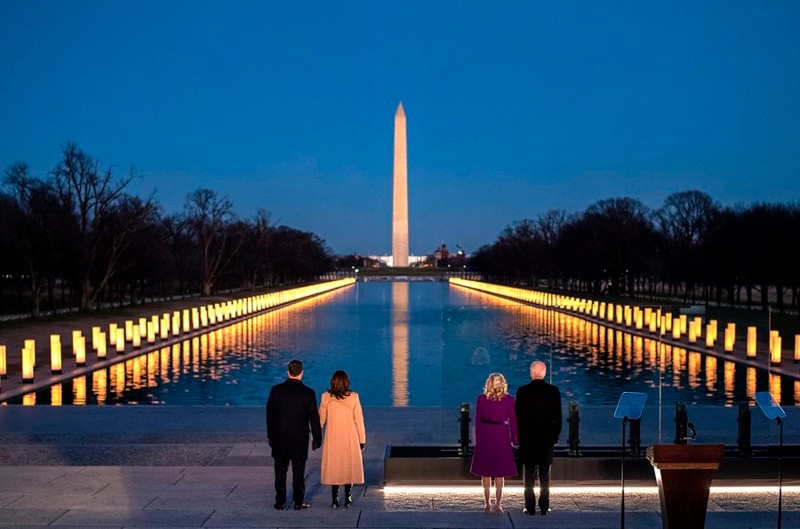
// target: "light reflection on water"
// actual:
[[416, 344]]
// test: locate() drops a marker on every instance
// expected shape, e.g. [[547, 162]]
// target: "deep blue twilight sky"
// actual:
[[513, 108]]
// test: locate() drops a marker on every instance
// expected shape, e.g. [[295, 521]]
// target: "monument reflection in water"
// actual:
[[417, 344]]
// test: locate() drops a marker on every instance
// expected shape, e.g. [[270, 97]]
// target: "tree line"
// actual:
[[690, 249], [77, 238]]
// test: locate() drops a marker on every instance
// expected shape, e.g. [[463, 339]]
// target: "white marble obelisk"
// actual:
[[400, 195]]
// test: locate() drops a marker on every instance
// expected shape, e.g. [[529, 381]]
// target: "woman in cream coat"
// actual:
[[344, 438]]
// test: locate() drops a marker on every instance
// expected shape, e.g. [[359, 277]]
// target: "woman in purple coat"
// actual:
[[495, 437]]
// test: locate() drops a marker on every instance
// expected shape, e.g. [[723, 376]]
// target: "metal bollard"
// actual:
[[635, 440], [574, 420], [464, 440], [743, 439], [681, 424]]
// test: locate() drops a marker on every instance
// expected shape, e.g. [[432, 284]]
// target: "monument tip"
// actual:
[[400, 109]]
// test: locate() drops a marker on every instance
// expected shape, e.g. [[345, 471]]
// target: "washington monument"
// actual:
[[400, 195]]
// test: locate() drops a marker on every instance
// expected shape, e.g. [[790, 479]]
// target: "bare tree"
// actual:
[[39, 230], [684, 221], [210, 217], [97, 200]]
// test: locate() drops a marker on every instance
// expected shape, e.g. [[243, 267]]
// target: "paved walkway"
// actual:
[[210, 467]]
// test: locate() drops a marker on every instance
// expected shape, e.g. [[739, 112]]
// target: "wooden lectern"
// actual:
[[684, 473]]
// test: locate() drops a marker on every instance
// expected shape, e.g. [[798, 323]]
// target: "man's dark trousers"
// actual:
[[298, 480], [530, 474]]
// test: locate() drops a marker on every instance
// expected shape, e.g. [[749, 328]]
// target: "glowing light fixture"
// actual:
[[709, 336], [775, 349], [730, 337], [3, 362], [151, 333], [95, 337], [80, 351], [136, 337], [676, 328], [586, 489], [31, 344], [796, 348], [101, 345], [27, 364], [751, 342], [112, 333], [120, 341], [164, 326], [176, 323], [55, 353]]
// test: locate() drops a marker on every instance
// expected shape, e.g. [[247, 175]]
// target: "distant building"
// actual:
[[413, 260]]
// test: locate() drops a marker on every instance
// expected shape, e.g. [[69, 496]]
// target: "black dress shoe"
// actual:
[[526, 511], [279, 506], [301, 506], [348, 501], [546, 512], [335, 503]]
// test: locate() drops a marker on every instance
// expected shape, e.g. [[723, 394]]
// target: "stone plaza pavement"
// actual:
[[160, 466]]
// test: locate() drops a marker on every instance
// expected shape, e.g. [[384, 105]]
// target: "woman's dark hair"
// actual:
[[340, 385]]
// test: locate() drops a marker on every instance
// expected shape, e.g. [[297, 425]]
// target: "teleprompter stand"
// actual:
[[629, 408], [773, 411]]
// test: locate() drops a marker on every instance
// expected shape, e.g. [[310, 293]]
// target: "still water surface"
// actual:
[[416, 344]]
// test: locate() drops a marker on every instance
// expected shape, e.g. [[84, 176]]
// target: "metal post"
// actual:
[[743, 439], [464, 440], [635, 439], [681, 424], [574, 420], [622, 476], [780, 471]]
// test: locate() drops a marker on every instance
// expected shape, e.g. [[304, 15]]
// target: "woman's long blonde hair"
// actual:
[[495, 387]]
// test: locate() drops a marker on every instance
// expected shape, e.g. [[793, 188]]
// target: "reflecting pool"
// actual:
[[416, 344]]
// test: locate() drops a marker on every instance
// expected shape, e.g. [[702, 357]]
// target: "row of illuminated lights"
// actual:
[[642, 350], [158, 327], [641, 318], [635, 346], [138, 372]]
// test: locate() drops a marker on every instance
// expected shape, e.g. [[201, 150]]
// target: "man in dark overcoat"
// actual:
[[538, 408], [291, 415]]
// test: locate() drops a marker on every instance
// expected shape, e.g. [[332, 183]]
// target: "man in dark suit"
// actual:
[[538, 408], [291, 414]]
